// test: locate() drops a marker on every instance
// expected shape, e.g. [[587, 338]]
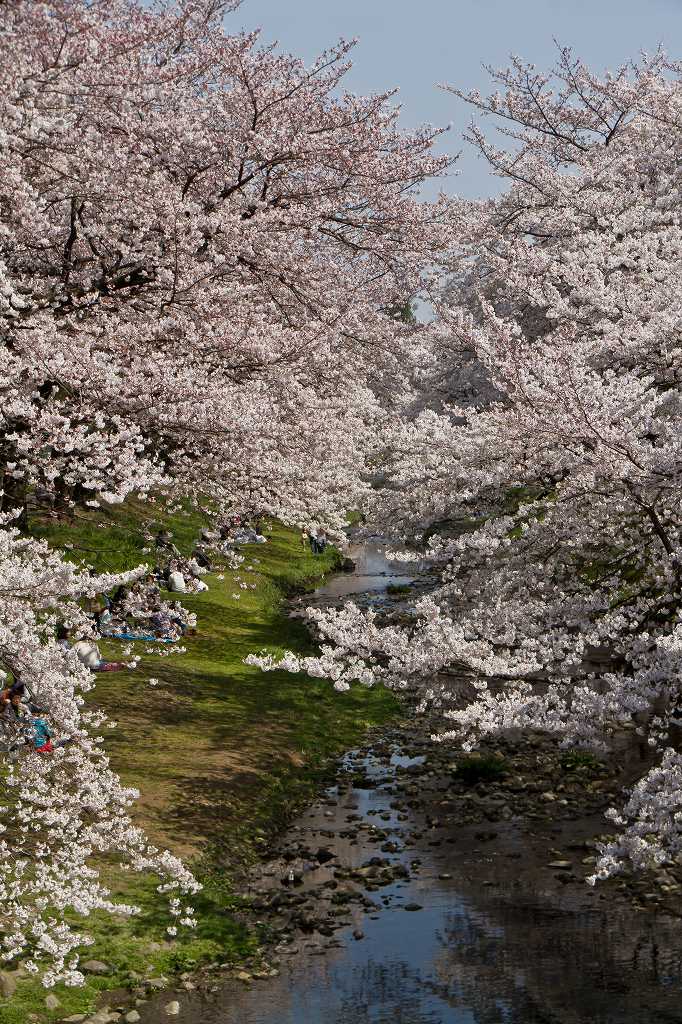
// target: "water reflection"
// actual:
[[373, 572], [516, 952], [490, 945], [569, 968]]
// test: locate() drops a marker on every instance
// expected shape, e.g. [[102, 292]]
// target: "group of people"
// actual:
[[316, 538], [138, 612], [225, 538], [176, 573], [134, 612], [31, 728]]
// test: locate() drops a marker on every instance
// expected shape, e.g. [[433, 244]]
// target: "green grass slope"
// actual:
[[222, 753]]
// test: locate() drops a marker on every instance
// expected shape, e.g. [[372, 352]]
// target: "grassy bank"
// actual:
[[222, 753]]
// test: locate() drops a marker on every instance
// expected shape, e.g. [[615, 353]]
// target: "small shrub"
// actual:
[[180, 960], [396, 589], [480, 768], [572, 760]]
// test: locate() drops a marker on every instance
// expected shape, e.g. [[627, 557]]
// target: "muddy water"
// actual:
[[472, 927]]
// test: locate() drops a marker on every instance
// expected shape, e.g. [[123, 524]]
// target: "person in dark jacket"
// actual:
[[10, 697]]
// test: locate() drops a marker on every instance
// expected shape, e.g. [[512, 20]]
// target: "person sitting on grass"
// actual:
[[195, 569], [88, 654], [176, 580], [39, 736], [62, 635], [161, 623], [117, 604], [180, 617], [105, 622], [10, 698], [149, 586], [183, 577], [164, 542], [248, 535], [137, 601], [159, 576], [201, 558]]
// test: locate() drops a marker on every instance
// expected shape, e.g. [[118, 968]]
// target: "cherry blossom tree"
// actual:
[[200, 238], [557, 500], [201, 241]]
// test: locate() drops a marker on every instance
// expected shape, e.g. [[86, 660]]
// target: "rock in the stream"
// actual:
[[413, 906], [172, 1008], [132, 1017], [159, 982], [103, 1016], [391, 847]]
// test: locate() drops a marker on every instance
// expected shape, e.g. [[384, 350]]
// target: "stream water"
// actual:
[[472, 932], [374, 572]]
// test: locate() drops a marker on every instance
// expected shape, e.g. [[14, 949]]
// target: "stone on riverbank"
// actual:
[[8, 984], [95, 967]]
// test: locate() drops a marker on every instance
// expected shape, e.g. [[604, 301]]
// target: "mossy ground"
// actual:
[[222, 753]]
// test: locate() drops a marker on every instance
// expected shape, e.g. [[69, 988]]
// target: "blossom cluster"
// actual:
[[65, 809], [204, 236]]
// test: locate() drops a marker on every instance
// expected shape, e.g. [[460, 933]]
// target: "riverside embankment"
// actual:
[[222, 754]]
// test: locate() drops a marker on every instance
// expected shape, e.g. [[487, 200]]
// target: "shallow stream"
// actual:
[[477, 930], [373, 573]]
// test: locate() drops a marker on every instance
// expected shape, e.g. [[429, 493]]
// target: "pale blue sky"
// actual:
[[417, 45]]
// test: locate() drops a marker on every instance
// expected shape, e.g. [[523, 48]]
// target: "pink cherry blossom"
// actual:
[[201, 243], [552, 482]]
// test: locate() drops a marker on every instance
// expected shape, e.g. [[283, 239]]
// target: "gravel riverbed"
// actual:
[[412, 892]]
